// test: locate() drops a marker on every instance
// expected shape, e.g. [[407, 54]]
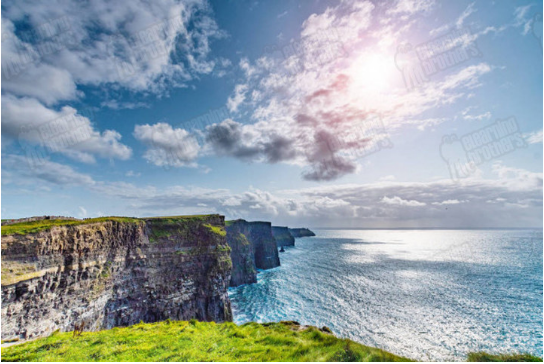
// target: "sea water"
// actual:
[[424, 294]]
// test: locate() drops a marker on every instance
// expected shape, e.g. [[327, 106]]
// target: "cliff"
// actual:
[[113, 272], [242, 254], [301, 232], [283, 236], [252, 246]]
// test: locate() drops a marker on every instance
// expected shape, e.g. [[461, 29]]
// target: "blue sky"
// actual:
[[337, 114]]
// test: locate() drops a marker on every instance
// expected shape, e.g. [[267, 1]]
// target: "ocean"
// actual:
[[425, 294]]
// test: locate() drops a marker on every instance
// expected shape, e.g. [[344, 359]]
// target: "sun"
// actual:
[[373, 73]]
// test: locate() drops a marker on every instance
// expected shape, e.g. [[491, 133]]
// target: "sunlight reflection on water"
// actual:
[[424, 294]]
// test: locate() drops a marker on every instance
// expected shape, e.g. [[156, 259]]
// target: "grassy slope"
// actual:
[[36, 226], [197, 341], [485, 357]]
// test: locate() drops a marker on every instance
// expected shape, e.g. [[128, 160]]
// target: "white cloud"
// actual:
[[330, 98], [520, 14], [37, 127], [133, 174], [167, 146], [388, 178], [22, 171], [141, 47], [399, 201], [515, 199], [236, 100], [533, 137], [448, 202]]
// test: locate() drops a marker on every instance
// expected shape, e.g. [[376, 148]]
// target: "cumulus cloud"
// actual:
[[230, 138], [331, 97], [141, 46], [167, 146], [36, 127], [396, 200], [50, 51], [534, 137], [514, 200]]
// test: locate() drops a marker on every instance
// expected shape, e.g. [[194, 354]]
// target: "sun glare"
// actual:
[[374, 73]]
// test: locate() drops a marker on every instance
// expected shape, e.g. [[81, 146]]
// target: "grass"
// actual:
[[30, 227], [197, 341], [485, 357], [219, 230], [208, 341], [23, 228]]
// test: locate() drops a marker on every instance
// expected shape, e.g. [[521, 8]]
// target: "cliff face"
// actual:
[[301, 232], [253, 246], [242, 254], [115, 274], [283, 236], [264, 244]]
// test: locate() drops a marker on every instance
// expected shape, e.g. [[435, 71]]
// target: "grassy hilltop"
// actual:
[[198, 341], [208, 341], [29, 227]]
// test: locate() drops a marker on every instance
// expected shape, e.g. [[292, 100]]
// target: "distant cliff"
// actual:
[[301, 232], [252, 247], [283, 236], [114, 272], [242, 254]]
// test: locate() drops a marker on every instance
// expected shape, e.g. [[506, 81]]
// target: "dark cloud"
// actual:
[[228, 138]]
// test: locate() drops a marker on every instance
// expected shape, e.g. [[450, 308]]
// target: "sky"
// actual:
[[359, 114]]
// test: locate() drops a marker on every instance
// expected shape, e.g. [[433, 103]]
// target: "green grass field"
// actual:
[[208, 341], [197, 341]]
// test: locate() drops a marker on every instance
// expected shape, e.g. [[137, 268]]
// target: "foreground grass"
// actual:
[[207, 341], [197, 341], [485, 357]]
